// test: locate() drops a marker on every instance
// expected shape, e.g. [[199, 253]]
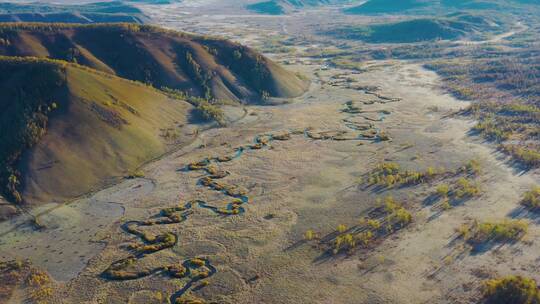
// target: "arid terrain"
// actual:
[[370, 187]]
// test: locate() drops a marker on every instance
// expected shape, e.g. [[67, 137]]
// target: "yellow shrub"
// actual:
[[443, 189], [309, 235], [512, 289], [373, 224], [531, 199]]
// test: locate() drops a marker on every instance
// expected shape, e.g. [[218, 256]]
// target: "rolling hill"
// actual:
[[280, 7], [100, 12], [450, 27], [386, 6], [200, 66], [430, 6], [271, 7], [70, 129]]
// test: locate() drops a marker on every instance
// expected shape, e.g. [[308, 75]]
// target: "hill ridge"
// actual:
[[203, 66]]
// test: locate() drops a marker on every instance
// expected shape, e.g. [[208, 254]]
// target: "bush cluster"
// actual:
[[512, 289], [531, 199]]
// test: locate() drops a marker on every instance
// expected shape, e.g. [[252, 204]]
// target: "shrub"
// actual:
[[466, 188], [473, 167], [344, 242], [40, 284], [38, 279], [443, 189], [205, 107], [512, 289], [40, 295], [362, 221], [464, 231], [176, 271], [507, 230], [401, 217], [390, 174], [491, 130], [341, 228], [390, 204], [211, 112], [531, 199], [373, 224], [309, 235], [445, 204], [529, 157], [200, 274], [197, 262], [396, 214], [365, 237]]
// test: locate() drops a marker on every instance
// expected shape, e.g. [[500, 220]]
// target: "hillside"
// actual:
[[271, 7], [450, 27], [201, 66], [280, 7], [385, 6], [71, 129], [428, 6], [99, 12]]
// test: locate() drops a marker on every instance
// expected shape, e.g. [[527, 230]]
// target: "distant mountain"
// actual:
[[450, 27], [201, 66], [271, 7], [405, 6], [100, 12], [386, 6], [280, 7], [473, 4]]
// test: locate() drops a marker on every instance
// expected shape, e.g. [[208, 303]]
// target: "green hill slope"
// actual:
[[431, 6], [201, 66], [386, 6], [450, 27], [280, 7], [70, 129], [271, 7]]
